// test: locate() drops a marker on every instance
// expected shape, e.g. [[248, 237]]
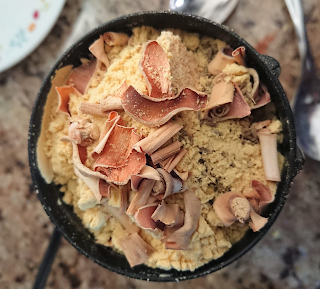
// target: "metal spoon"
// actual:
[[306, 103], [216, 10]]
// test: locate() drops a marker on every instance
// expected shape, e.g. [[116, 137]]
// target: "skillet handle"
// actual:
[[48, 259], [272, 64]]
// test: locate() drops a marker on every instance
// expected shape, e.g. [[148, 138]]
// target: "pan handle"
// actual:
[[45, 267], [272, 64]]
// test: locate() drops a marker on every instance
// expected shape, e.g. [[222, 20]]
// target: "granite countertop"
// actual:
[[287, 257]]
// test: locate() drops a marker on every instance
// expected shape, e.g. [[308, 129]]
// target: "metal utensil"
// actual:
[[216, 10], [306, 103], [45, 267]]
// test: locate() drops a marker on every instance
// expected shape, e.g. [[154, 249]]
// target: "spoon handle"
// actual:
[[296, 12]]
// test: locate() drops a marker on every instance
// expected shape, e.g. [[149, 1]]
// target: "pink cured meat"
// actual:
[[81, 75], [153, 113]]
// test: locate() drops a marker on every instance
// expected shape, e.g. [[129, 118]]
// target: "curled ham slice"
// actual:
[[91, 182], [258, 195], [124, 197], [81, 76], [155, 67], [166, 152], [239, 54], [123, 219], [255, 85], [64, 97], [111, 103], [97, 49], [143, 217], [83, 132], [158, 138], [114, 38], [263, 97], [166, 186], [112, 120], [180, 238], [239, 108], [226, 56], [146, 172], [114, 155], [221, 98], [106, 105], [259, 92], [174, 160], [257, 221], [121, 175], [83, 153], [136, 250], [104, 189], [141, 196], [89, 177], [118, 148], [168, 214], [153, 114], [92, 108], [268, 143], [231, 207], [221, 60]]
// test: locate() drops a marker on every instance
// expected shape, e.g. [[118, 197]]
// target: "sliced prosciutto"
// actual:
[[268, 143], [146, 172], [136, 250], [114, 38], [166, 152], [141, 197], [115, 156], [180, 238], [231, 207], [221, 60], [239, 54], [104, 189], [258, 195], [143, 217], [121, 175], [257, 221], [97, 49], [112, 120], [80, 76], [168, 214], [155, 67], [221, 98], [151, 113], [118, 148], [64, 97], [262, 98], [166, 186], [170, 163], [239, 108], [89, 177], [158, 138]]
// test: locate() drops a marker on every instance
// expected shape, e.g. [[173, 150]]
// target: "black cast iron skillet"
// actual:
[[70, 225]]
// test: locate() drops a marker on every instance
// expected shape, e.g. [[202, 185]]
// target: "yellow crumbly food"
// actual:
[[218, 158]]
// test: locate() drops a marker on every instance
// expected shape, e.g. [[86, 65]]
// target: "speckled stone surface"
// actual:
[[287, 257]]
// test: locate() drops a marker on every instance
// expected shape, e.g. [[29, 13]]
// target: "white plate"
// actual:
[[23, 26]]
